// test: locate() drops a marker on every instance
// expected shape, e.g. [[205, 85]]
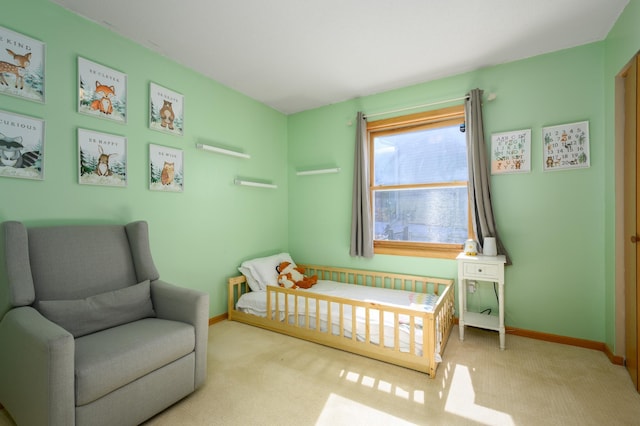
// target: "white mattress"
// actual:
[[255, 303]]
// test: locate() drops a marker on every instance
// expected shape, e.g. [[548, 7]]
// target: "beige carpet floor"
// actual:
[[256, 377]]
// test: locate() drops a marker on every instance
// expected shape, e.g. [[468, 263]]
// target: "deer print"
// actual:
[[19, 68]]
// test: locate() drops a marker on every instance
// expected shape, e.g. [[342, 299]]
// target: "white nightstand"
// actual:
[[481, 268]]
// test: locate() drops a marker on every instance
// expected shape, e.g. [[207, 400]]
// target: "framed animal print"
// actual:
[[566, 146], [102, 91], [102, 158], [511, 152], [166, 110], [22, 61], [166, 169], [21, 146]]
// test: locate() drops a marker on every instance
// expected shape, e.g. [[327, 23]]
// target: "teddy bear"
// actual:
[[291, 276]]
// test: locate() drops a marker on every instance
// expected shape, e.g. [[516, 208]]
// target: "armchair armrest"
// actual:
[[36, 369], [186, 305]]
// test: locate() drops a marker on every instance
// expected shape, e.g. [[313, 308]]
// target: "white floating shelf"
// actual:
[[318, 171], [222, 151], [256, 184]]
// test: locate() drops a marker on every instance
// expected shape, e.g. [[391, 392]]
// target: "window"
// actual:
[[418, 184]]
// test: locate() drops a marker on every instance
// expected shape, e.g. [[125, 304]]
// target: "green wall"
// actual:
[[551, 222], [558, 226], [199, 236]]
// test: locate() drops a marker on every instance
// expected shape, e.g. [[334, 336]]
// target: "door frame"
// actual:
[[620, 235]]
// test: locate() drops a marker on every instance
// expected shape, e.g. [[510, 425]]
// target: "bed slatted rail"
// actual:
[[417, 284], [292, 313]]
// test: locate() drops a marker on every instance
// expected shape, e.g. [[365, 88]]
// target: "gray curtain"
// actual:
[[361, 222], [480, 207]]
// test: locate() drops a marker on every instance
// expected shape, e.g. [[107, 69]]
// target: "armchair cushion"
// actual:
[[84, 316], [110, 359]]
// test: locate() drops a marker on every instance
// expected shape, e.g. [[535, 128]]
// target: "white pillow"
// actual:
[[261, 272], [253, 283]]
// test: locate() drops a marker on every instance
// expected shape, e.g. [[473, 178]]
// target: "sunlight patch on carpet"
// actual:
[[338, 408], [383, 386], [461, 401]]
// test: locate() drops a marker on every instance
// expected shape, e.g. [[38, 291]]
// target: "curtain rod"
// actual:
[[490, 97], [417, 106]]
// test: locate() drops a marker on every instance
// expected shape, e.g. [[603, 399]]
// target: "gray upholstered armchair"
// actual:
[[88, 333]]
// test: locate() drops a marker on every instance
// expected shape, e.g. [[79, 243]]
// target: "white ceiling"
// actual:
[[295, 55]]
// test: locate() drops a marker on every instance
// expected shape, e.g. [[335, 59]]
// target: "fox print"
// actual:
[[103, 104]]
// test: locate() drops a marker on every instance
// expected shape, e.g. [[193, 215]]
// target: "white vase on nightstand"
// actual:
[[490, 248]]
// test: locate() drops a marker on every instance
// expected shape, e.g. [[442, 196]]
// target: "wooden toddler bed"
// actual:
[[378, 324]]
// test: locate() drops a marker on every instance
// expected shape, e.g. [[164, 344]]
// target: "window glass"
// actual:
[[432, 215], [419, 183], [422, 156]]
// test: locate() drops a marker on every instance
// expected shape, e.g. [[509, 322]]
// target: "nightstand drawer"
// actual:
[[480, 270]]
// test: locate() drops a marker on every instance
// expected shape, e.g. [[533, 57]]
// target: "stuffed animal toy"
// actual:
[[291, 276]]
